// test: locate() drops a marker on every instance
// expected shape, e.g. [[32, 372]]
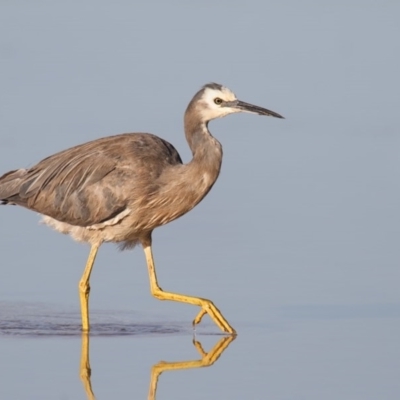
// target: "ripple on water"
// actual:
[[20, 319]]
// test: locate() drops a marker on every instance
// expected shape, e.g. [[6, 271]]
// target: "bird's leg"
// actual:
[[206, 305], [84, 287]]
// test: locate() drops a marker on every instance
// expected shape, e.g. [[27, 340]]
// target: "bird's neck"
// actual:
[[206, 150], [184, 186]]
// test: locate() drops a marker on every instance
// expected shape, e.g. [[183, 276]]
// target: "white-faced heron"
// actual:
[[120, 188]]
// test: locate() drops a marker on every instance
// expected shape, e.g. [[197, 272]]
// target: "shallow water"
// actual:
[[302, 356], [297, 243]]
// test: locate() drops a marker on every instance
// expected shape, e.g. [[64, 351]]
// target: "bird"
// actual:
[[120, 188]]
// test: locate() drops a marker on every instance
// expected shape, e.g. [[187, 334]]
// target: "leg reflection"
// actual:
[[207, 359], [85, 370]]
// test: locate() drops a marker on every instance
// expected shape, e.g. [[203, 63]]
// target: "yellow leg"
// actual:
[[85, 370], [206, 305], [199, 317], [84, 287]]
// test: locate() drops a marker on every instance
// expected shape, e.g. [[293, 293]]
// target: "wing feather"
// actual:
[[93, 182]]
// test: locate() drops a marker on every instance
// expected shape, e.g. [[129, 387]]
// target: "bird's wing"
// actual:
[[90, 183], [59, 186]]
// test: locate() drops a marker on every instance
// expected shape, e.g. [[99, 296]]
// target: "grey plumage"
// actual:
[[120, 188], [63, 185]]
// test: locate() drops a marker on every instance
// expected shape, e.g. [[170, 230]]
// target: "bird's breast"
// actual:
[[177, 194]]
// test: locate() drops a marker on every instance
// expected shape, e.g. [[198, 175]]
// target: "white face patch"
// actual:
[[210, 110], [224, 94]]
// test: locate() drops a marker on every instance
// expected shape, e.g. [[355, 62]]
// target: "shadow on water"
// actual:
[[206, 360]]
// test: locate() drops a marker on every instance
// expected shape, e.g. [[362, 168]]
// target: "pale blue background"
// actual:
[[297, 243]]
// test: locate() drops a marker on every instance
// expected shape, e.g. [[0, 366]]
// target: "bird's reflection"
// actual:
[[206, 360]]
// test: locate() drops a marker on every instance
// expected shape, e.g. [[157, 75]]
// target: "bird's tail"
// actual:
[[10, 184]]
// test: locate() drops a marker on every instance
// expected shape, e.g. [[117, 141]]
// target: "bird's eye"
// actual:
[[218, 101]]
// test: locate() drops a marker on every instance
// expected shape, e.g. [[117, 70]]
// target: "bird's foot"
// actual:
[[199, 317], [216, 316]]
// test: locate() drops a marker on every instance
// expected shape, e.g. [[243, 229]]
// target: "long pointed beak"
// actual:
[[250, 108]]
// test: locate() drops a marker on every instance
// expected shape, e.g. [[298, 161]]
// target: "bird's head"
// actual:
[[215, 101]]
